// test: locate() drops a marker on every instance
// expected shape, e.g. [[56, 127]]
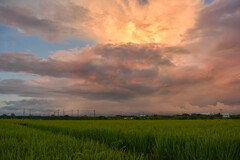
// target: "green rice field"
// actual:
[[120, 139]]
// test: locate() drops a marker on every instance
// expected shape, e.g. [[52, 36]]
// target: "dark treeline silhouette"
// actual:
[[119, 117]]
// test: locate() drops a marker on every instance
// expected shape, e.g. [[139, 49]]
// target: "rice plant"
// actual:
[[126, 139]]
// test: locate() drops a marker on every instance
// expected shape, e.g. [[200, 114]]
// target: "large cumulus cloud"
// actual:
[[137, 21], [199, 74], [111, 71]]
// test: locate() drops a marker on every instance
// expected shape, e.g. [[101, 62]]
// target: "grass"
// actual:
[[19, 142], [120, 139]]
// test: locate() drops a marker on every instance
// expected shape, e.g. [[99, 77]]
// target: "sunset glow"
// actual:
[[151, 56]]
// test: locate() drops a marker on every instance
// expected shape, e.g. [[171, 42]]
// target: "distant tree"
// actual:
[[218, 116], [66, 117], [102, 117], [193, 116], [12, 115], [235, 116], [4, 116], [85, 117], [30, 116]]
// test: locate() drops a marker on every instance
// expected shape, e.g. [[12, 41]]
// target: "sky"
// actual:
[[120, 56]]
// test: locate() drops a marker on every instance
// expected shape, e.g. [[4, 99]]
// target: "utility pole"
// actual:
[[78, 112], [94, 114], [63, 112], [23, 111]]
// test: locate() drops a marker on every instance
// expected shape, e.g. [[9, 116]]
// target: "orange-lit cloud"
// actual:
[[185, 56], [149, 22], [103, 21]]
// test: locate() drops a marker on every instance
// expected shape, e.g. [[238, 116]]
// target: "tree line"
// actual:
[[119, 117]]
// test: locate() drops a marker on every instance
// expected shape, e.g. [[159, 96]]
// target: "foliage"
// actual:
[[12, 115], [121, 139], [4, 116], [120, 117]]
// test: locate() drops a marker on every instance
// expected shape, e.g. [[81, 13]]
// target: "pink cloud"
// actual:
[[199, 73], [106, 21]]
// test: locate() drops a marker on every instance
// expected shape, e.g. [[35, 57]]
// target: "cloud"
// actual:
[[22, 88], [130, 76], [97, 62], [28, 23], [201, 73], [143, 2], [137, 21], [110, 71], [33, 106], [219, 19]]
